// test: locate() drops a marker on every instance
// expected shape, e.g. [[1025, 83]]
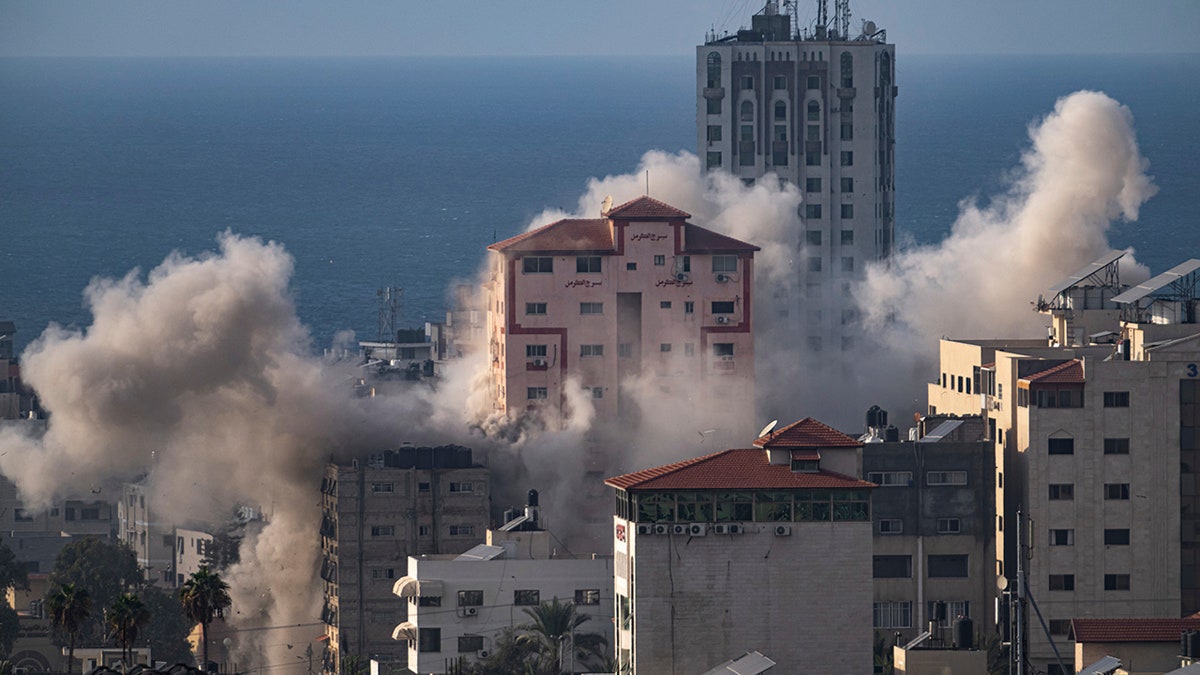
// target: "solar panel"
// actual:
[[1159, 282], [482, 552], [1090, 269]]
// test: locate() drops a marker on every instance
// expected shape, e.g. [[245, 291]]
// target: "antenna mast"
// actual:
[[842, 18], [822, 18], [389, 311]]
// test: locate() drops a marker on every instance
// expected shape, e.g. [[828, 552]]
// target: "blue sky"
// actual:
[[565, 27]]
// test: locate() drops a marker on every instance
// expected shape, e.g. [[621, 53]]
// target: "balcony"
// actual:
[[714, 93]]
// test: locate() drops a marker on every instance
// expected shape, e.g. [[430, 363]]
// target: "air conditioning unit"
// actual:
[[645, 528], [662, 529], [697, 529], [469, 611], [720, 528], [679, 529], [482, 654], [722, 319], [737, 528], [539, 362], [681, 276], [783, 530], [722, 278]]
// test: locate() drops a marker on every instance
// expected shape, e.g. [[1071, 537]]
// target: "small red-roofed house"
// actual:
[[764, 548], [1143, 645]]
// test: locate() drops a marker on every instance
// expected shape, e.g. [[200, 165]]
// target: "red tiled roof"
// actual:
[[1131, 630], [737, 469], [647, 208], [806, 455], [1070, 372], [699, 240], [807, 433], [570, 234]]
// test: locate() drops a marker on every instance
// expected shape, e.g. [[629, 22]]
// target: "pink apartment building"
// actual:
[[637, 307]]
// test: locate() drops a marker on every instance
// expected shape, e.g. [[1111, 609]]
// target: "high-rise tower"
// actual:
[[816, 107]]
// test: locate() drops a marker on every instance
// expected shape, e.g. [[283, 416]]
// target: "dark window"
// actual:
[[814, 81], [722, 307], [383, 530], [1116, 582], [660, 260], [1059, 627], [429, 639], [812, 184], [847, 237], [724, 263], [947, 566], [591, 308], [1062, 582], [535, 351], [893, 567], [1062, 491], [713, 63], [747, 111], [891, 526], [591, 350], [470, 643], [949, 525], [714, 132], [1061, 446], [21, 516], [723, 349], [847, 132], [429, 601], [587, 263], [536, 393], [526, 597], [812, 210], [780, 83], [847, 211], [812, 237], [1117, 537], [590, 596], [747, 82], [1116, 446], [847, 184], [1116, 399], [814, 111], [1062, 537], [847, 69], [689, 307], [847, 158], [1116, 490], [538, 264], [631, 266], [422, 487], [89, 514], [713, 159], [713, 106], [535, 308], [470, 598]]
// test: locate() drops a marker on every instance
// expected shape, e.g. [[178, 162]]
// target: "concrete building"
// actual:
[[816, 109], [765, 548], [168, 554], [933, 528], [459, 606], [1096, 444], [376, 513], [637, 293]]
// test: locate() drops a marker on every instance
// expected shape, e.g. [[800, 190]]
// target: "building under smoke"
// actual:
[[376, 513]]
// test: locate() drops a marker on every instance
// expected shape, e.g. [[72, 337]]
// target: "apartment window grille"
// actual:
[[949, 526], [946, 478], [894, 614], [890, 478]]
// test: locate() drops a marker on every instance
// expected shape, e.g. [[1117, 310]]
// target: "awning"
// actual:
[[406, 631], [410, 587], [1104, 666]]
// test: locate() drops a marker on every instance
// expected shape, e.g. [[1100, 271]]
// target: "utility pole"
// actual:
[[1020, 600]]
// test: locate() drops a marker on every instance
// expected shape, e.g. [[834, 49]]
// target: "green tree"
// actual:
[[12, 572], [510, 654], [125, 619], [168, 629], [554, 628], [69, 606], [205, 596], [104, 568], [10, 626]]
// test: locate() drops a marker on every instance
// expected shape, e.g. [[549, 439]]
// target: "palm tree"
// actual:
[[555, 622], [126, 617], [70, 606], [205, 596]]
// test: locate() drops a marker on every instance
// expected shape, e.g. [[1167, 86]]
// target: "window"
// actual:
[[847, 264], [712, 159], [1117, 537], [747, 113], [722, 307], [1061, 446], [723, 349], [713, 63], [470, 598], [1116, 490], [812, 132], [689, 349], [724, 263], [1059, 627], [1062, 537], [747, 81], [813, 158], [429, 639], [812, 184], [1116, 582], [534, 308], [423, 530], [812, 210], [537, 264], [597, 392], [535, 351], [462, 530], [689, 307], [383, 530], [625, 350], [422, 487], [949, 526], [586, 264], [780, 82], [660, 260], [814, 81], [847, 158], [895, 614], [382, 487], [664, 347], [589, 596], [847, 211], [462, 487], [890, 478], [812, 237], [714, 132], [591, 308], [713, 106], [847, 184], [22, 516], [536, 393], [946, 478], [944, 566], [388, 573], [847, 69], [1116, 399], [1116, 446], [469, 643], [526, 597], [631, 266], [847, 237], [814, 111], [591, 350], [893, 567], [89, 514], [847, 131], [665, 304], [1062, 491], [1062, 582], [891, 526]]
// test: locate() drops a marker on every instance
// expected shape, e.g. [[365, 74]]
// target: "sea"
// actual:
[[400, 171]]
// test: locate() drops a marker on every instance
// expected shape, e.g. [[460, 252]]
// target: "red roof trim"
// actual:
[[1070, 372], [807, 433], [736, 469], [647, 208], [1131, 630]]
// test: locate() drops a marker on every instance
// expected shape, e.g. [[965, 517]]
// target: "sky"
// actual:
[[227, 28]]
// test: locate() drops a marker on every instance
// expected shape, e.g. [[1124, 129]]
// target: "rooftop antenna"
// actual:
[[389, 311], [822, 18], [842, 17]]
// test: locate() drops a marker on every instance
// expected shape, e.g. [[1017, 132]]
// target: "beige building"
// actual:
[[603, 302], [376, 513], [765, 548], [1096, 445]]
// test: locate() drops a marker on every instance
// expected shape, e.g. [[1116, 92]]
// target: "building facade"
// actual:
[[762, 549], [637, 293], [816, 109], [376, 513]]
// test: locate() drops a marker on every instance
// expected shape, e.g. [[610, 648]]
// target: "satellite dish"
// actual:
[[1002, 583], [869, 28], [768, 429]]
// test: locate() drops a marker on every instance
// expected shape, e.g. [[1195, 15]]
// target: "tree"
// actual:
[[70, 607], [510, 654], [10, 626], [204, 596], [125, 618], [168, 629], [104, 568], [553, 628], [12, 572]]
